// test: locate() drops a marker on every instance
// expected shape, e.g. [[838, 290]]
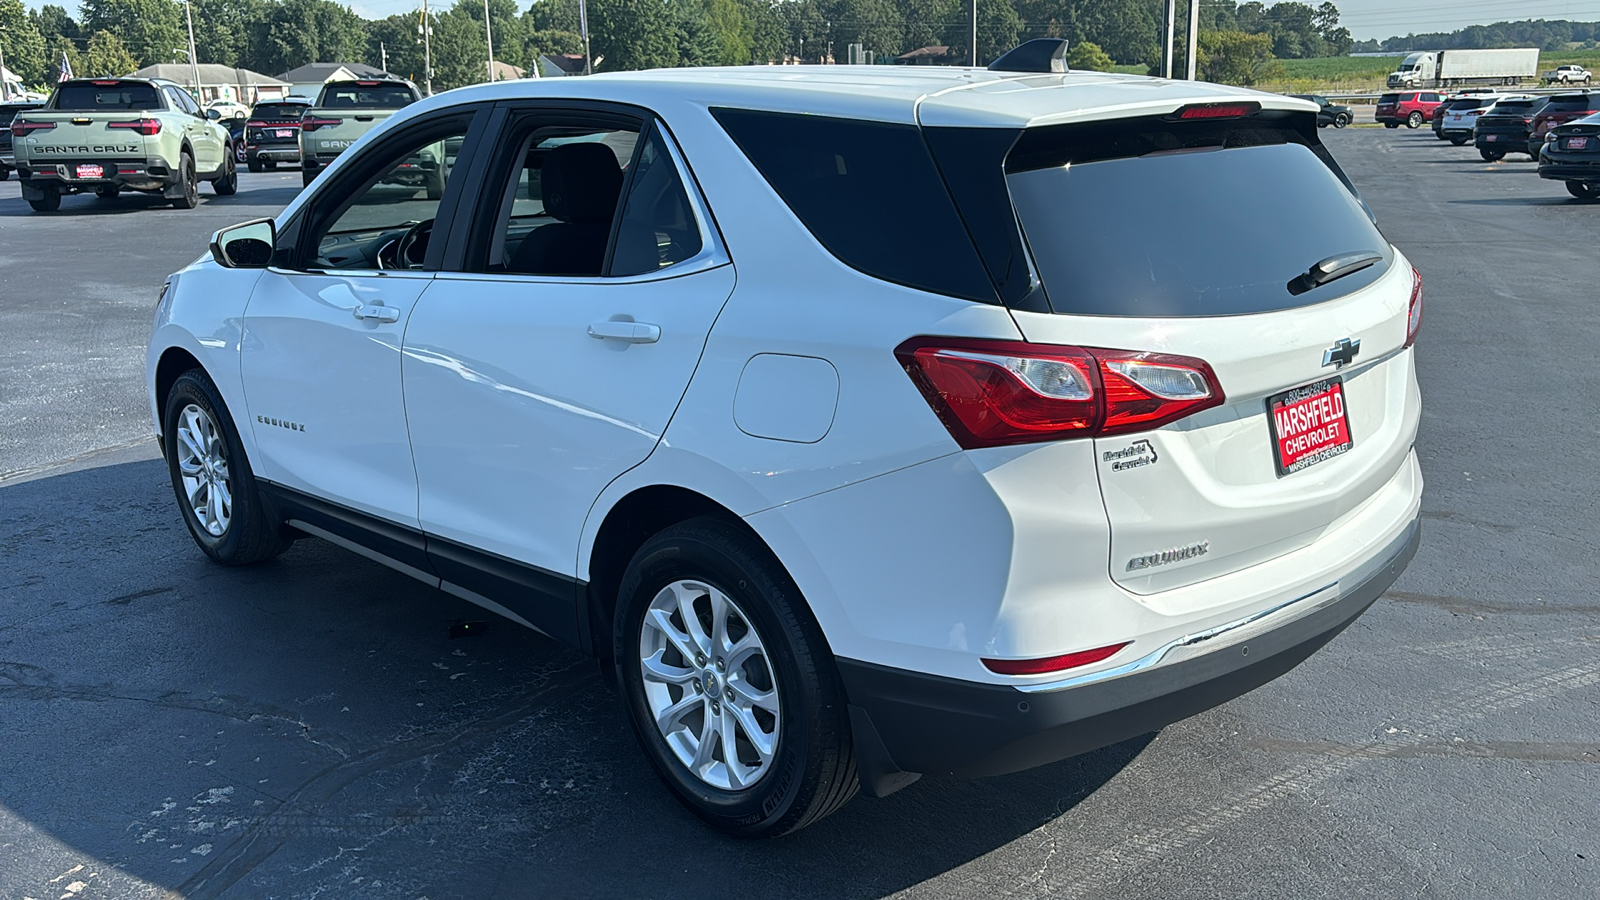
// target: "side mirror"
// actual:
[[248, 245], [214, 115]]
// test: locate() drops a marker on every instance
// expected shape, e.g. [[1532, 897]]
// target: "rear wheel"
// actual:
[[1583, 191], [1391, 124], [1414, 120], [254, 165], [5, 173], [729, 683], [1458, 141], [1491, 155], [190, 198], [50, 202], [211, 478], [228, 184], [307, 176]]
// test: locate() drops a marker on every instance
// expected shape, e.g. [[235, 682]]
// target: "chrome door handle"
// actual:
[[378, 313], [630, 332]]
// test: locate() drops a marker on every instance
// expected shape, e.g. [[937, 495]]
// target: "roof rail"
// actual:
[[1047, 55]]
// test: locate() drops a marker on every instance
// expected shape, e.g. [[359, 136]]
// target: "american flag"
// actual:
[[66, 68]]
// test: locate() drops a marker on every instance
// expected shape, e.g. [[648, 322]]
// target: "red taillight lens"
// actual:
[[314, 124], [1218, 110], [1414, 318], [995, 393], [255, 123], [146, 127], [20, 128], [1052, 663]]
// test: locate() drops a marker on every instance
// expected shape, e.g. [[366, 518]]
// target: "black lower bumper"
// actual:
[[1564, 170], [906, 722]]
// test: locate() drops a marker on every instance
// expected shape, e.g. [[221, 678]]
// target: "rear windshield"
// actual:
[[1467, 103], [1573, 102], [1185, 219], [89, 97], [277, 111], [366, 95], [1514, 107]]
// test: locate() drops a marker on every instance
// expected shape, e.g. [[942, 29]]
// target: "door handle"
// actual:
[[630, 332], [377, 313]]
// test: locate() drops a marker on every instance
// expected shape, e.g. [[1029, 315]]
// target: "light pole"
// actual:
[[194, 61], [1194, 37], [488, 38], [974, 34], [425, 28], [583, 26]]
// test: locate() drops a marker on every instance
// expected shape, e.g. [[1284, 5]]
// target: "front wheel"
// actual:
[[211, 477], [1341, 120], [1583, 191], [1414, 120], [1491, 155], [729, 682]]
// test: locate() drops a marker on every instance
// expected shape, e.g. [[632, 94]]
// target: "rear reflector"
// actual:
[[995, 393], [1052, 663], [1218, 110], [1414, 316]]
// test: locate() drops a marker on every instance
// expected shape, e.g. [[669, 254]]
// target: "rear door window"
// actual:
[[1175, 219]]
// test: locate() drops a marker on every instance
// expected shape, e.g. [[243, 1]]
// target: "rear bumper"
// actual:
[[273, 152], [136, 175], [1509, 141], [1569, 170], [906, 722]]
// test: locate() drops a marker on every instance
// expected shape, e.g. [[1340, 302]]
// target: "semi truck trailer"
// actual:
[[1454, 68]]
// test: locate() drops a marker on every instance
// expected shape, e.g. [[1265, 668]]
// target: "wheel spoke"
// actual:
[[753, 696], [709, 733], [691, 621], [189, 467], [187, 437], [741, 651], [657, 670], [661, 620], [195, 499], [761, 740], [738, 773], [668, 719], [719, 622]]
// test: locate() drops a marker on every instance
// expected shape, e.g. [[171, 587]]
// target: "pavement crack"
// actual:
[[1527, 751]]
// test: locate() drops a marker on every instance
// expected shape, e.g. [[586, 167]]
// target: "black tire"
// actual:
[[251, 536], [1491, 155], [1341, 120], [307, 176], [50, 202], [254, 165], [1583, 191], [190, 198], [271, 165], [108, 192], [1459, 141], [813, 770], [5, 174], [1391, 124], [1414, 120], [228, 184], [436, 184]]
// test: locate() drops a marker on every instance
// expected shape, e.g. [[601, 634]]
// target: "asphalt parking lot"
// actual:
[[309, 728]]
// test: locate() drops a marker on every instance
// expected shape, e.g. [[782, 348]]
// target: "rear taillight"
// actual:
[[255, 123], [994, 393], [20, 128], [314, 124], [1414, 315], [146, 127], [1052, 663], [1217, 110]]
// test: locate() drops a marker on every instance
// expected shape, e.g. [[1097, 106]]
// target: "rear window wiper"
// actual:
[[1332, 269]]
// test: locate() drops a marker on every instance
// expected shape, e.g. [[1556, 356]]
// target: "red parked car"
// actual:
[[1408, 108], [1561, 109]]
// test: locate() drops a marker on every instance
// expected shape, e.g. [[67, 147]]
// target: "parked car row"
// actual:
[[1561, 132]]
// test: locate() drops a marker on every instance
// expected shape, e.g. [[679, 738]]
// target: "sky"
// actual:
[[1387, 18]]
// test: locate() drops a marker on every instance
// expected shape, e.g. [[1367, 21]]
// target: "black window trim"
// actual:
[[482, 214]]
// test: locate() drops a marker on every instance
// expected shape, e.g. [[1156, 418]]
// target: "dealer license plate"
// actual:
[[1309, 425], [89, 170], [1577, 143], [284, 133], [1491, 137]]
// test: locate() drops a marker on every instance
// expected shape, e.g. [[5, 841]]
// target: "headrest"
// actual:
[[580, 183]]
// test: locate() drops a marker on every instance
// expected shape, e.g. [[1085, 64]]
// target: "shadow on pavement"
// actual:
[[83, 205], [308, 725]]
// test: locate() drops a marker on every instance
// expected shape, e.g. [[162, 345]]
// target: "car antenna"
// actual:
[[1046, 55]]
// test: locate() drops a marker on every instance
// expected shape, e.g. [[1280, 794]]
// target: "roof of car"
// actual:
[[929, 94]]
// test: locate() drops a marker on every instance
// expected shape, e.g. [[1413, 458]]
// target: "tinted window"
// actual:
[[277, 111], [366, 95], [1389, 98], [1189, 230], [407, 182], [8, 111], [658, 226], [89, 97], [1572, 102], [869, 193]]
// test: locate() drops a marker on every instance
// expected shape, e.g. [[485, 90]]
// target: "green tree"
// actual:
[[152, 30], [297, 32], [227, 31], [1234, 57], [396, 37], [1087, 56], [632, 34], [23, 44], [53, 22], [106, 56], [877, 25]]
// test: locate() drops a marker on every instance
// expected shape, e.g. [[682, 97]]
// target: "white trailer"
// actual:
[[1455, 68]]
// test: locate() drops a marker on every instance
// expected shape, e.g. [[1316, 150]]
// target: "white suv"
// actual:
[[868, 422]]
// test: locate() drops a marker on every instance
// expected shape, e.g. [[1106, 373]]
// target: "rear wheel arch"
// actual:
[[637, 517]]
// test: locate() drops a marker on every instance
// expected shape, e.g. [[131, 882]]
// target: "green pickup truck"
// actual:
[[109, 135], [344, 111]]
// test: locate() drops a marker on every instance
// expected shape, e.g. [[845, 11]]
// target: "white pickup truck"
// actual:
[[1568, 75]]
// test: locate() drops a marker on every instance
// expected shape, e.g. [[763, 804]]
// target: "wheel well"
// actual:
[[174, 362], [634, 520]]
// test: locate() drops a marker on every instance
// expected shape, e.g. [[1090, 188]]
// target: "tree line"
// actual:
[[1546, 35], [110, 37]]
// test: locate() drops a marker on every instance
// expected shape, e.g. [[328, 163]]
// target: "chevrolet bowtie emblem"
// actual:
[[1341, 354]]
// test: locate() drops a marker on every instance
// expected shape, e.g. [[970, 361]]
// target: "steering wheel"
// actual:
[[410, 250]]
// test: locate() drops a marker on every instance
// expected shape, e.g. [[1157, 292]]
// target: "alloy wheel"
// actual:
[[710, 685], [203, 468]]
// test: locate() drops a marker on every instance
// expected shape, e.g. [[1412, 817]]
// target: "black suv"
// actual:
[[1331, 113], [8, 111], [272, 135], [1506, 126]]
